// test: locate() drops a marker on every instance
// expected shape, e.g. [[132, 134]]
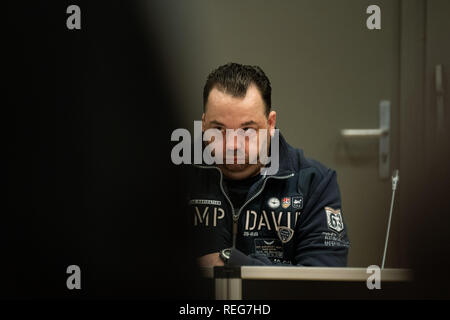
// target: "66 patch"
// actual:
[[334, 219]]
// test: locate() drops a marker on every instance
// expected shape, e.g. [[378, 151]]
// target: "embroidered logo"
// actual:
[[285, 234], [334, 219], [286, 202], [273, 203], [297, 202]]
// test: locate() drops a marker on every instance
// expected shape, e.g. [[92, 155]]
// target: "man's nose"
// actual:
[[233, 143]]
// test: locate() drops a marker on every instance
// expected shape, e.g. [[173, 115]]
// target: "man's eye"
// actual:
[[249, 128], [223, 130]]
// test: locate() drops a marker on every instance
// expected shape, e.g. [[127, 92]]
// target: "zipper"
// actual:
[[236, 217]]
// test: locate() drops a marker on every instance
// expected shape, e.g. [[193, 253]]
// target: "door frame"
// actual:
[[412, 147]]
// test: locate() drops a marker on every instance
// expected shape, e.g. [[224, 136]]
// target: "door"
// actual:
[[424, 147], [328, 72]]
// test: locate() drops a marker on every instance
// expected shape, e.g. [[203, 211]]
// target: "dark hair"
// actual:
[[235, 78]]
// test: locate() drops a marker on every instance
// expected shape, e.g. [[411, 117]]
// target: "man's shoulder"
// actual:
[[301, 163], [310, 172]]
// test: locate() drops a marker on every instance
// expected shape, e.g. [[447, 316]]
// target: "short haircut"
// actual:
[[235, 78]]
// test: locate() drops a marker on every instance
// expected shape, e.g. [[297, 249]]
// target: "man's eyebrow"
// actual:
[[248, 123], [217, 123]]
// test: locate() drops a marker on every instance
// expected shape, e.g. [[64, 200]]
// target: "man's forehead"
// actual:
[[221, 101], [242, 124]]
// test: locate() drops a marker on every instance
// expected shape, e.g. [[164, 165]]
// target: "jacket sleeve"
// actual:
[[207, 237], [322, 238], [320, 234]]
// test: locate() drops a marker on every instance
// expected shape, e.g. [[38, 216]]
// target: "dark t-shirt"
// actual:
[[237, 190]]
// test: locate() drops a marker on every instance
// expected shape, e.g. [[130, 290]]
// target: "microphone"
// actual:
[[395, 179]]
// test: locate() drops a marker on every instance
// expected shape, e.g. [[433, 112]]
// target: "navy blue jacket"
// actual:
[[291, 218]]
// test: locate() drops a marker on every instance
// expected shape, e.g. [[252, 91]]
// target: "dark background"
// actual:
[[89, 176]]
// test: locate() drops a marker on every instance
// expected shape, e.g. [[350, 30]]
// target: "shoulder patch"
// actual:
[[334, 219]]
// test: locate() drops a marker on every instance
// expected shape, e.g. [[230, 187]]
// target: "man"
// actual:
[[244, 217]]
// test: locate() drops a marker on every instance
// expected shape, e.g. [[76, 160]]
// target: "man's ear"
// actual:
[[203, 122], [272, 121]]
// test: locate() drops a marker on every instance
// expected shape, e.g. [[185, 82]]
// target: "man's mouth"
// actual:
[[234, 160]]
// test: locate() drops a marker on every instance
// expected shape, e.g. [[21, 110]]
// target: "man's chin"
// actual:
[[235, 167], [238, 171]]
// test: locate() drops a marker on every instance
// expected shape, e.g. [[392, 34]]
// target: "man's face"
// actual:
[[223, 111]]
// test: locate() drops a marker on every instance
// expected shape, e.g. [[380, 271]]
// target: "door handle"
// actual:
[[364, 133], [382, 133]]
